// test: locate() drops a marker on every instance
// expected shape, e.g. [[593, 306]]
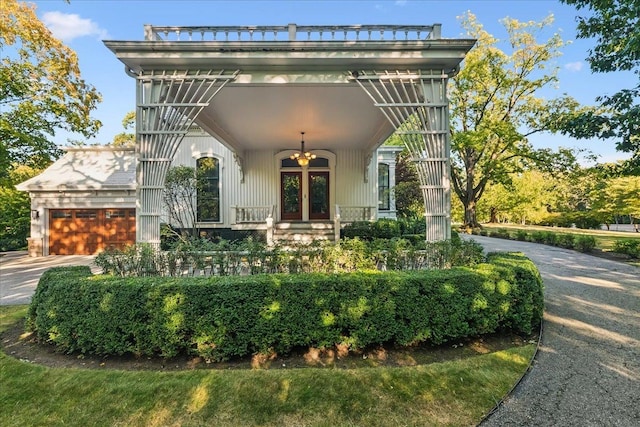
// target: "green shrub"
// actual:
[[537, 236], [522, 235], [584, 243], [549, 238], [501, 233], [629, 247], [565, 240], [224, 317]]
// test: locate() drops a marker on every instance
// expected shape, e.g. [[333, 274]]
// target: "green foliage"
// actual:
[[41, 90], [584, 243], [501, 233], [614, 25], [407, 193], [15, 209], [629, 247], [565, 240], [461, 389], [495, 105], [225, 317], [126, 139], [202, 257], [585, 220], [368, 230]]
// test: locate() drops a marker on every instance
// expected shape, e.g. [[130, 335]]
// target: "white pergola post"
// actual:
[[167, 104], [416, 103]]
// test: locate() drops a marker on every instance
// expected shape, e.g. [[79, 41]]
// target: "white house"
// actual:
[[85, 202], [258, 92]]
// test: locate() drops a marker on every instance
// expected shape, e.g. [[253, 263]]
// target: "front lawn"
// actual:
[[456, 393]]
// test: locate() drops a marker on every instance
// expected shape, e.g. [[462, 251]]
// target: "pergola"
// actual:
[[259, 87]]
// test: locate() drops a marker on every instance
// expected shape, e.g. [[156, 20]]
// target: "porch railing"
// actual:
[[293, 32], [251, 214], [355, 213]]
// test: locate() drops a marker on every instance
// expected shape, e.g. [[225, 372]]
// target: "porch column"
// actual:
[[416, 103], [167, 104]]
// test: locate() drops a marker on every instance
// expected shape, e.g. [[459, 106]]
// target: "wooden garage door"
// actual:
[[87, 231]]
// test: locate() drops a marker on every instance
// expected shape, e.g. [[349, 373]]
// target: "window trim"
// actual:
[[220, 219], [387, 188]]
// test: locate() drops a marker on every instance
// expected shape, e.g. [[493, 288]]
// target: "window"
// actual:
[[61, 214], [384, 195], [208, 196], [87, 214], [319, 162]]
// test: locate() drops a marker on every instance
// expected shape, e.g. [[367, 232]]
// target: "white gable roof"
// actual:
[[87, 168]]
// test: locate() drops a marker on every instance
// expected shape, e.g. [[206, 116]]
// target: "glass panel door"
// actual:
[[291, 195], [318, 195]]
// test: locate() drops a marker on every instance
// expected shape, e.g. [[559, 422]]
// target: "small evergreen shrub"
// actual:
[[549, 238], [565, 240], [219, 318], [537, 236], [629, 247], [584, 243], [522, 235], [501, 233]]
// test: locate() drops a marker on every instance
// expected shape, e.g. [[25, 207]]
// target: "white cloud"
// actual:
[[574, 66], [401, 2], [69, 26]]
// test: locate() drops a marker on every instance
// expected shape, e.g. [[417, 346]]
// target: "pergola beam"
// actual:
[[167, 104], [416, 104]]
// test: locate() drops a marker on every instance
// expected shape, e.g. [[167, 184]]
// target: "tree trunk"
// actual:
[[493, 214], [470, 219]]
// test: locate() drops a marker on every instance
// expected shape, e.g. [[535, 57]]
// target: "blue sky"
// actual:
[[83, 24]]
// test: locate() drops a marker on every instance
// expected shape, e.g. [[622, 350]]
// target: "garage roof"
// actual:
[[87, 168]]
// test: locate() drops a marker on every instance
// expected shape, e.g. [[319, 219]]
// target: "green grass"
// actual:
[[452, 393], [604, 239]]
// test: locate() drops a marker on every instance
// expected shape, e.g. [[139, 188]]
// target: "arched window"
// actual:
[[208, 172], [384, 192]]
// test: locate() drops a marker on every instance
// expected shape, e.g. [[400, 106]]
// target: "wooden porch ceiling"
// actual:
[[258, 117], [285, 87]]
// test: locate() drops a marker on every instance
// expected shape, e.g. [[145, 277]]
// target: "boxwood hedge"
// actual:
[[224, 317]]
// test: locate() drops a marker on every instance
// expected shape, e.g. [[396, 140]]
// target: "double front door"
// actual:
[[311, 193]]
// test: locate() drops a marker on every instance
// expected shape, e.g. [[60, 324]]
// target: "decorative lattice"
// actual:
[[168, 102], [415, 102]]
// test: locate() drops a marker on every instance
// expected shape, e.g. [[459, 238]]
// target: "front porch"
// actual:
[[255, 89]]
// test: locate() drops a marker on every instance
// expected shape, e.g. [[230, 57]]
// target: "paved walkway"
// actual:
[[19, 273], [587, 372]]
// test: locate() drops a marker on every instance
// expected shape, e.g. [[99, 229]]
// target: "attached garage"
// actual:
[[83, 203], [87, 231]]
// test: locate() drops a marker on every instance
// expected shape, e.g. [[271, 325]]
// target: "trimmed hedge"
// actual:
[[220, 318]]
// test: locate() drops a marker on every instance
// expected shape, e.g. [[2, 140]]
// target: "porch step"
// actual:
[[303, 232]]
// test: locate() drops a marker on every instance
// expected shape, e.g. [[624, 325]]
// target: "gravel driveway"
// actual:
[[587, 372]]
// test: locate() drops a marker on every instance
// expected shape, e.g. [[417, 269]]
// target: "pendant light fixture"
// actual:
[[303, 157]]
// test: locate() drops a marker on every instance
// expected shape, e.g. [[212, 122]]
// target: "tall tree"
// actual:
[[41, 90], [495, 106], [614, 25]]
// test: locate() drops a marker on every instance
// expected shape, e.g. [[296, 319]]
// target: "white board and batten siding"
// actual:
[[261, 183]]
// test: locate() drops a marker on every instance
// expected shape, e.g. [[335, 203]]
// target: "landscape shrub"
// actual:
[[247, 257], [629, 247], [522, 235], [501, 233], [368, 230], [537, 236], [565, 240], [219, 318], [549, 238], [584, 243]]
